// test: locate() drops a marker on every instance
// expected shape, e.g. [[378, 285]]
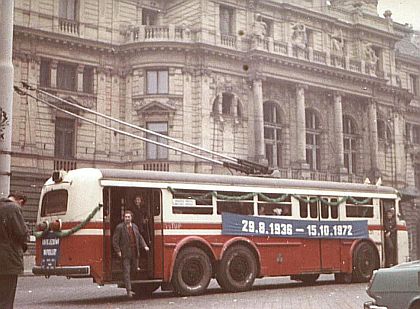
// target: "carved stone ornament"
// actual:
[[4, 122], [161, 106]]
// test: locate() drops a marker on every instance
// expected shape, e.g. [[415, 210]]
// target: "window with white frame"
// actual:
[[149, 17], [45, 73], [67, 76], [157, 81], [226, 20], [350, 139], [414, 84], [273, 134], [67, 9], [313, 140], [155, 152], [64, 138]]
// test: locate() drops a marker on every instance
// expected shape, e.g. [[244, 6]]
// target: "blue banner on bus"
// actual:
[[233, 224], [50, 246]]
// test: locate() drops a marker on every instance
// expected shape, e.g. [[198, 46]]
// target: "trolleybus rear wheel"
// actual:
[[192, 272], [365, 261], [237, 269]]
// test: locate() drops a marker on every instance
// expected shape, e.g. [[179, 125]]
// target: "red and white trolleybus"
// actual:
[[199, 227]]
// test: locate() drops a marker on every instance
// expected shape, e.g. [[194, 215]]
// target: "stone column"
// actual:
[[399, 152], [101, 108], [373, 138], [338, 128], [259, 120], [54, 64], [80, 69], [301, 127]]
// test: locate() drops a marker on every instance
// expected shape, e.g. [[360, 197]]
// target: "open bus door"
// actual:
[[116, 201], [390, 246]]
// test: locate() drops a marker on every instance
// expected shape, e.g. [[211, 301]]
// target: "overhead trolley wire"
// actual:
[[241, 165]]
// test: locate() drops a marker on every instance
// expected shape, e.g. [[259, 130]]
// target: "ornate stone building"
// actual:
[[325, 90]]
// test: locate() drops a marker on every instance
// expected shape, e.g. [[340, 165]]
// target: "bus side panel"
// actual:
[[83, 250], [330, 254], [286, 256], [159, 257], [346, 256], [107, 253]]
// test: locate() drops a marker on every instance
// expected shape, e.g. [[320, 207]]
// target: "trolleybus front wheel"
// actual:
[[192, 272], [365, 261], [237, 269]]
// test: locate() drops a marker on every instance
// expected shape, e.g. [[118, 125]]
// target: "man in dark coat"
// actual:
[[126, 242], [13, 238], [390, 237]]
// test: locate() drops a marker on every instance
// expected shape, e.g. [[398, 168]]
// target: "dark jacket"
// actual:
[[13, 237], [121, 240]]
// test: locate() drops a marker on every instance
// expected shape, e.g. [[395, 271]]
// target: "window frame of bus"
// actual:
[[242, 208], [358, 208], [188, 194], [271, 206], [60, 211]]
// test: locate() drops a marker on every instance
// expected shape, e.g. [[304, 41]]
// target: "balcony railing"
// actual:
[[160, 33], [289, 173], [68, 26], [156, 166], [320, 57], [64, 165], [228, 40]]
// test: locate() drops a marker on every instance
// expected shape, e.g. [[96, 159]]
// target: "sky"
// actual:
[[403, 11]]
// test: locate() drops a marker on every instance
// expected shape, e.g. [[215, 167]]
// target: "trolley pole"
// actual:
[[6, 93]]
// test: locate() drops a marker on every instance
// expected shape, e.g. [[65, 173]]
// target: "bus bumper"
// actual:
[[68, 271], [371, 305]]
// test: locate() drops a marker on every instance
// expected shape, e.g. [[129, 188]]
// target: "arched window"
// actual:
[[350, 144], [273, 134], [227, 103], [313, 139]]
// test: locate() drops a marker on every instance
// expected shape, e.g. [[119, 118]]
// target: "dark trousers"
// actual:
[[129, 264], [389, 251], [7, 291]]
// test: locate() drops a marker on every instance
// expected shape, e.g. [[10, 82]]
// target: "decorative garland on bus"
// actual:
[[278, 200], [74, 229]]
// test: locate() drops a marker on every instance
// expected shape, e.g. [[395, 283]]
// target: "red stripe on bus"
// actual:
[[89, 225], [381, 228]]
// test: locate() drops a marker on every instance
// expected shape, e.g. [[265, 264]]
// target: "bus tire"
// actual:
[[144, 290], [192, 272], [237, 269], [365, 261]]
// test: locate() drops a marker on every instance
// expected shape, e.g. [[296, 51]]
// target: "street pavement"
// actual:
[[278, 293]]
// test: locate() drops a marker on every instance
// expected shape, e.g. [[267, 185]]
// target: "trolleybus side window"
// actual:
[[327, 209], [268, 208], [233, 202], [356, 210], [193, 202], [54, 203], [312, 206]]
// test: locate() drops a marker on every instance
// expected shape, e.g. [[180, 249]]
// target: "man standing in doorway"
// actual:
[[390, 237], [126, 242], [13, 238]]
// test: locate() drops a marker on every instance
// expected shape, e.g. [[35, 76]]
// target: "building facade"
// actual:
[[325, 90]]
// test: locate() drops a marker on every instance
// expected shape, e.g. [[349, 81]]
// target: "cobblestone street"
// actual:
[[279, 293]]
